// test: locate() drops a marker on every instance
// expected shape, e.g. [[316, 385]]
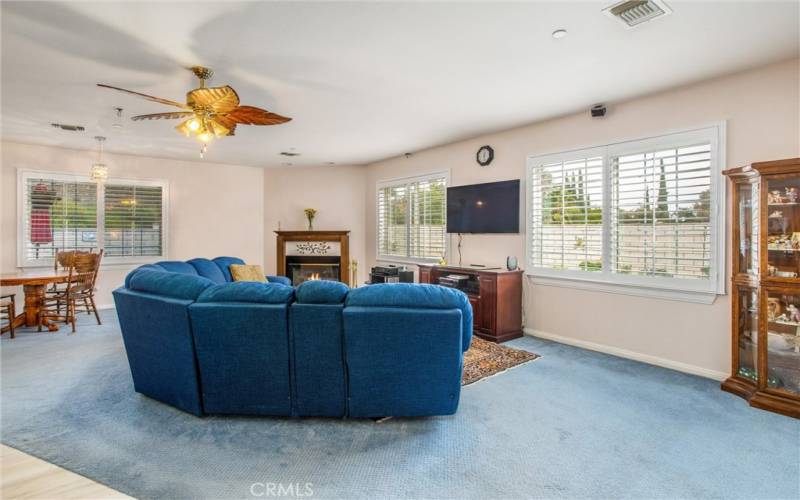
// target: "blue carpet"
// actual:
[[574, 424]]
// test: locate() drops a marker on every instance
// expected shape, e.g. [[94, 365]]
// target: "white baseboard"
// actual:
[[624, 353]]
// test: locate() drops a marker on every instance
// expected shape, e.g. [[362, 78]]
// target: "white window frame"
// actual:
[[399, 181], [682, 289], [22, 196]]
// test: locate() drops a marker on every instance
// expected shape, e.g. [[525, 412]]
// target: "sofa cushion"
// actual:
[[248, 291], [279, 279], [152, 267], [207, 269], [247, 272], [178, 266], [321, 292], [224, 263], [177, 285], [413, 295]]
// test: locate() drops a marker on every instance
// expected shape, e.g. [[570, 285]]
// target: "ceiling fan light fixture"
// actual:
[[209, 112]]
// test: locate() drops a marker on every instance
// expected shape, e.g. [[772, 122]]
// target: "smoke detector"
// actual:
[[632, 13]]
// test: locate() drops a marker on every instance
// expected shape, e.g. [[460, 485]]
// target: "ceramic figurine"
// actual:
[[791, 194], [777, 214], [793, 313], [771, 270], [773, 308], [774, 197]]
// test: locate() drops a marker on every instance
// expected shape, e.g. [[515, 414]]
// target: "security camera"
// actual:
[[598, 110]]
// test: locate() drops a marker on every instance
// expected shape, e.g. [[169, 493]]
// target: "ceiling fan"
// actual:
[[209, 112]]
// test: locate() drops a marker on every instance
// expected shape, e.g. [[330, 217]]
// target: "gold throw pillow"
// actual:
[[243, 272]]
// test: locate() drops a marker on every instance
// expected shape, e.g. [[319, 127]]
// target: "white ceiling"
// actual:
[[363, 81]]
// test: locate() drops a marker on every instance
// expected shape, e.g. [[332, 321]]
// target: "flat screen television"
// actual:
[[484, 208]]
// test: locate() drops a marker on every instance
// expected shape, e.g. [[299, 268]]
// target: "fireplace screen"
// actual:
[[300, 269]]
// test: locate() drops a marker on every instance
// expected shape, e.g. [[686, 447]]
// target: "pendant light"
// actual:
[[99, 172], [118, 123]]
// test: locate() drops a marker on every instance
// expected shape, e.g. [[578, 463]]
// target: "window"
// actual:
[[59, 213], [411, 217], [632, 217], [66, 212], [133, 220], [567, 213]]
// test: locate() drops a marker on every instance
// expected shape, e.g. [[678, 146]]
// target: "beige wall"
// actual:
[[337, 192], [221, 209], [213, 209], [761, 108]]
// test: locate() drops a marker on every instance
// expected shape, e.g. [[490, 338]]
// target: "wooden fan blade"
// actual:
[[219, 99], [250, 115], [165, 116], [224, 121], [148, 97]]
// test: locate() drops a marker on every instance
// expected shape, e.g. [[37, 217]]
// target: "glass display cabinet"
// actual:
[[765, 234]]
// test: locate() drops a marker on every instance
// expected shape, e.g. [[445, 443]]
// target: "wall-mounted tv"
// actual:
[[484, 208]]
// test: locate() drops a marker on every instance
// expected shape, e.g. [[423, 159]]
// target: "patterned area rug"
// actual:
[[486, 358]]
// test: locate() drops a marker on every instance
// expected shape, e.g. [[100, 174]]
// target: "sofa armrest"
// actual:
[[283, 280]]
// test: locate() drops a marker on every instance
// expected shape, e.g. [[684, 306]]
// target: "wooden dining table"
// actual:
[[34, 284]]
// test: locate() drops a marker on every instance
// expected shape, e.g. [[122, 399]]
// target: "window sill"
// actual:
[[697, 297], [109, 262]]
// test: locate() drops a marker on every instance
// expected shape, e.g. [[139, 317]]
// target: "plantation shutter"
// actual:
[[392, 234], [133, 220], [59, 215], [661, 201], [566, 214], [412, 218], [427, 219]]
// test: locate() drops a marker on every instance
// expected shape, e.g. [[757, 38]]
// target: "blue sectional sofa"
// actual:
[[207, 345]]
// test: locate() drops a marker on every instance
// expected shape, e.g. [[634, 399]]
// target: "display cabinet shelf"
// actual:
[[765, 366]]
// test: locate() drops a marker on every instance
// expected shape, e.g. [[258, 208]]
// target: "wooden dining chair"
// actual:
[[60, 265], [82, 267], [8, 311], [84, 300]]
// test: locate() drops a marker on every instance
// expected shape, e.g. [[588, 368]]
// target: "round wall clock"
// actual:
[[485, 155]]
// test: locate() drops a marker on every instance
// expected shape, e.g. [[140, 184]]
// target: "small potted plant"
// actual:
[[310, 214]]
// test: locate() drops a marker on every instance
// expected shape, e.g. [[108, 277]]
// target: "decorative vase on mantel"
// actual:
[[310, 214]]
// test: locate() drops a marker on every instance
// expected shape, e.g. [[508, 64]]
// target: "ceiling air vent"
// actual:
[[635, 12], [71, 128]]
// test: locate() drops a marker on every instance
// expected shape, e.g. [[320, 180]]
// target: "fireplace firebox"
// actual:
[[306, 268]]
